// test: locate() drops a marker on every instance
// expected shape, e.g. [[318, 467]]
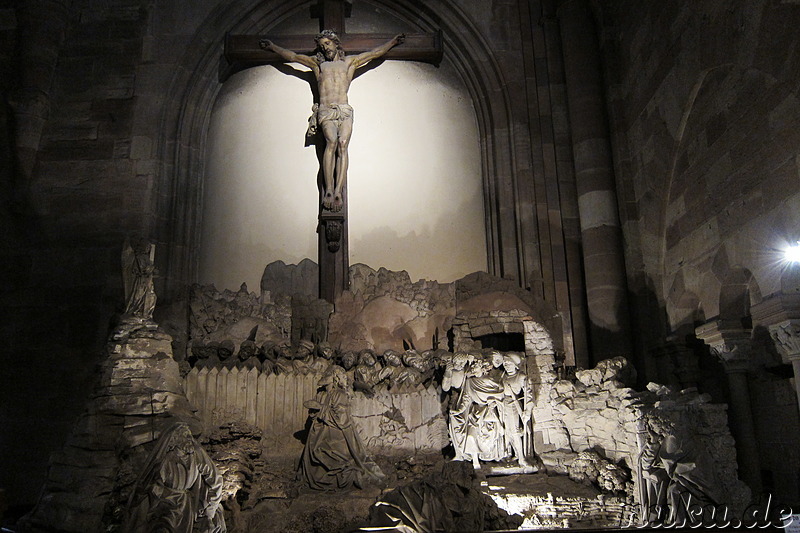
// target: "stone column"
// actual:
[[733, 345], [601, 234]]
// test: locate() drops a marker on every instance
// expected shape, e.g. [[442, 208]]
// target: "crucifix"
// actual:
[[332, 116]]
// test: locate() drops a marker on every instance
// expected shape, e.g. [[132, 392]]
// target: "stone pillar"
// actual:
[[733, 346], [601, 234]]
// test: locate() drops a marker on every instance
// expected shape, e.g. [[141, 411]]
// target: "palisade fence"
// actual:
[[412, 420]]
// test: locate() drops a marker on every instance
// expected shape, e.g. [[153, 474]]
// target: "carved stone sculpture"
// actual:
[[333, 115], [179, 489], [137, 277], [368, 371], [323, 359], [420, 366], [489, 420], [479, 418], [394, 373], [334, 456], [248, 356], [676, 475], [516, 407], [446, 500]]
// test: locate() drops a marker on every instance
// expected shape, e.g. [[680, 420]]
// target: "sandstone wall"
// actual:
[[705, 120]]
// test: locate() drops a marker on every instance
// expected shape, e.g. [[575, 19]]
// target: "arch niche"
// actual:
[[195, 88]]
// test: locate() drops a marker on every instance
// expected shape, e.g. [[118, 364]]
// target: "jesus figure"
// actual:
[[334, 72]]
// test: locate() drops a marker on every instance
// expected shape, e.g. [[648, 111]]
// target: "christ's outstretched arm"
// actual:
[[362, 59]]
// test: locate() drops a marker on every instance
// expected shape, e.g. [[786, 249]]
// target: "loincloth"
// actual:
[[320, 114]]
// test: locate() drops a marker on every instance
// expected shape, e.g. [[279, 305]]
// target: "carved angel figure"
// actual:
[[137, 278]]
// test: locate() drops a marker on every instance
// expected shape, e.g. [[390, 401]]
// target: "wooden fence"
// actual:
[[408, 421]]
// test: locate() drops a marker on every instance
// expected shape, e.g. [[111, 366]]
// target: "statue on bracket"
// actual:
[[137, 277], [334, 71]]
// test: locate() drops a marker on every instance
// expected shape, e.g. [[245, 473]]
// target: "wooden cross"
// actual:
[[244, 51]]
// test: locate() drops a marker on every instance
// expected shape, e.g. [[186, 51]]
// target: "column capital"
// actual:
[[786, 336], [728, 341]]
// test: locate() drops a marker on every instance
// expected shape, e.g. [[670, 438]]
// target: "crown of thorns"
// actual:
[[328, 34]]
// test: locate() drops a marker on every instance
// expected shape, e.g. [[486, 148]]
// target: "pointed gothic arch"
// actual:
[[195, 85]]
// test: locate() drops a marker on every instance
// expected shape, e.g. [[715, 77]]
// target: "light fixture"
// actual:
[[791, 254]]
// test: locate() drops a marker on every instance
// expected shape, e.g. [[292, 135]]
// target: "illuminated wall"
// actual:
[[415, 191]]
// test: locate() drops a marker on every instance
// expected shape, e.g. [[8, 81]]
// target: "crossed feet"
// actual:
[[332, 201]]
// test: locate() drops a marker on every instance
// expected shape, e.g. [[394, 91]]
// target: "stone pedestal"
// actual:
[[732, 344]]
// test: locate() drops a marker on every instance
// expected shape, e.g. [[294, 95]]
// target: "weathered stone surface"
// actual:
[[139, 392], [383, 310], [280, 279], [599, 413]]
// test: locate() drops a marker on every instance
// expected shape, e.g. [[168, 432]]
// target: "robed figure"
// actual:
[[138, 270], [490, 418], [677, 476], [334, 456], [179, 489]]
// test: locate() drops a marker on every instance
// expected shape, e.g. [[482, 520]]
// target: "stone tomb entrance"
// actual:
[[509, 331]]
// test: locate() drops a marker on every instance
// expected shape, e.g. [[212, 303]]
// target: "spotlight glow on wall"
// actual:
[[791, 254]]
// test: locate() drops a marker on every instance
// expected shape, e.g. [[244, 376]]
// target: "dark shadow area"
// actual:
[[504, 342]]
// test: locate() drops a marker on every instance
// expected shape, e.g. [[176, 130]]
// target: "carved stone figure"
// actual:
[[225, 354], [283, 357], [349, 360], [446, 500], [247, 356], [303, 357], [205, 355], [323, 360], [420, 365], [334, 71], [489, 420], [334, 456], [676, 475], [137, 277], [478, 418], [455, 375], [516, 407], [179, 489], [368, 370], [394, 373]]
